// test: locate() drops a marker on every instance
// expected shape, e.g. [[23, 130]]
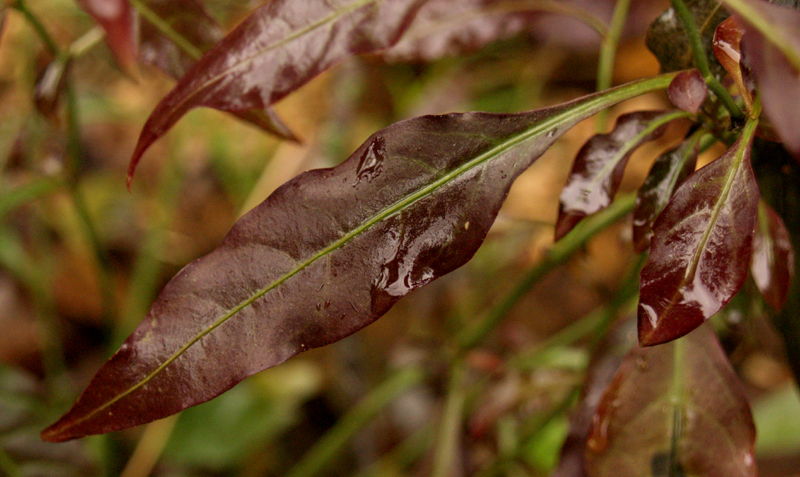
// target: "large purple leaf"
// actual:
[[669, 170], [118, 20], [773, 257], [771, 48], [701, 247], [674, 410], [325, 255], [274, 51], [597, 172]]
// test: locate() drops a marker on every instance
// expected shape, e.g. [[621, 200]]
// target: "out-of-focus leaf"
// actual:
[[669, 43], [325, 255], [773, 257], [727, 50], [597, 172], [198, 32], [701, 247], [771, 48], [669, 171], [447, 27], [47, 94], [674, 410], [777, 418], [274, 51], [118, 20], [688, 91]]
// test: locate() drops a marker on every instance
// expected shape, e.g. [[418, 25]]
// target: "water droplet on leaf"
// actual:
[[371, 163]]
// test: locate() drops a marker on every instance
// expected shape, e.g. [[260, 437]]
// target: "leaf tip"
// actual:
[[566, 222]]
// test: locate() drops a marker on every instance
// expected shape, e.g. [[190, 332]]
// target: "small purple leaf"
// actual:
[[326, 254], [597, 172], [669, 170], [278, 48], [119, 23], [48, 90], [673, 410], [727, 49], [773, 257], [688, 91], [701, 247]]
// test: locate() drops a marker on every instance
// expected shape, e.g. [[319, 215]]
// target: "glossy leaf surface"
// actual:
[[674, 410], [325, 255], [597, 172], [688, 91], [277, 49], [727, 50], [773, 257], [701, 247], [118, 20], [668, 172], [771, 48]]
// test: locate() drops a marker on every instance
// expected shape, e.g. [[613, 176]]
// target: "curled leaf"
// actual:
[[118, 20], [673, 410], [669, 170], [701, 247], [597, 172], [688, 90], [727, 49], [773, 257], [278, 48], [325, 255]]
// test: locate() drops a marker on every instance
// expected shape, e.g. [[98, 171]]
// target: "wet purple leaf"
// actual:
[[727, 49], [325, 255], [597, 172], [672, 410], [118, 20], [773, 257], [278, 48], [701, 247], [669, 170], [688, 91]]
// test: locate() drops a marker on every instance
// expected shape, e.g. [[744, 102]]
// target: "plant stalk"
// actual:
[[608, 53]]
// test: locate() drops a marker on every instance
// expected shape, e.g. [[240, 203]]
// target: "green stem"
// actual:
[[8, 466], [451, 426], [166, 29], [331, 445], [608, 52], [51, 45], [403, 455], [700, 60], [558, 254]]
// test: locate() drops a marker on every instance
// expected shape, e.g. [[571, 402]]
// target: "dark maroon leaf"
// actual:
[[771, 48], [325, 255], [674, 410], [119, 23], [277, 49], [597, 172], [669, 170], [701, 247], [773, 257], [727, 39], [688, 91]]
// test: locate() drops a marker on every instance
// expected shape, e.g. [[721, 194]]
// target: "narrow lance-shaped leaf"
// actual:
[[325, 255], [118, 20], [773, 257], [669, 170], [278, 48], [597, 172], [701, 247], [674, 410]]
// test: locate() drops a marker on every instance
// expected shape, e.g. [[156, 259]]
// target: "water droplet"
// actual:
[[319, 306], [342, 316], [466, 225], [598, 439], [551, 133], [641, 363], [371, 163], [327, 303]]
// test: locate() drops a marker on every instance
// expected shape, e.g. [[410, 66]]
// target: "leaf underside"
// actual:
[[673, 410], [117, 19], [325, 255], [773, 258], [701, 247]]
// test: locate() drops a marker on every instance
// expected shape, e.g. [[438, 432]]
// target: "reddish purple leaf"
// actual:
[[771, 48], [277, 49], [669, 170], [773, 257], [688, 91], [701, 247], [119, 23], [325, 255], [727, 39], [597, 172], [674, 410]]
